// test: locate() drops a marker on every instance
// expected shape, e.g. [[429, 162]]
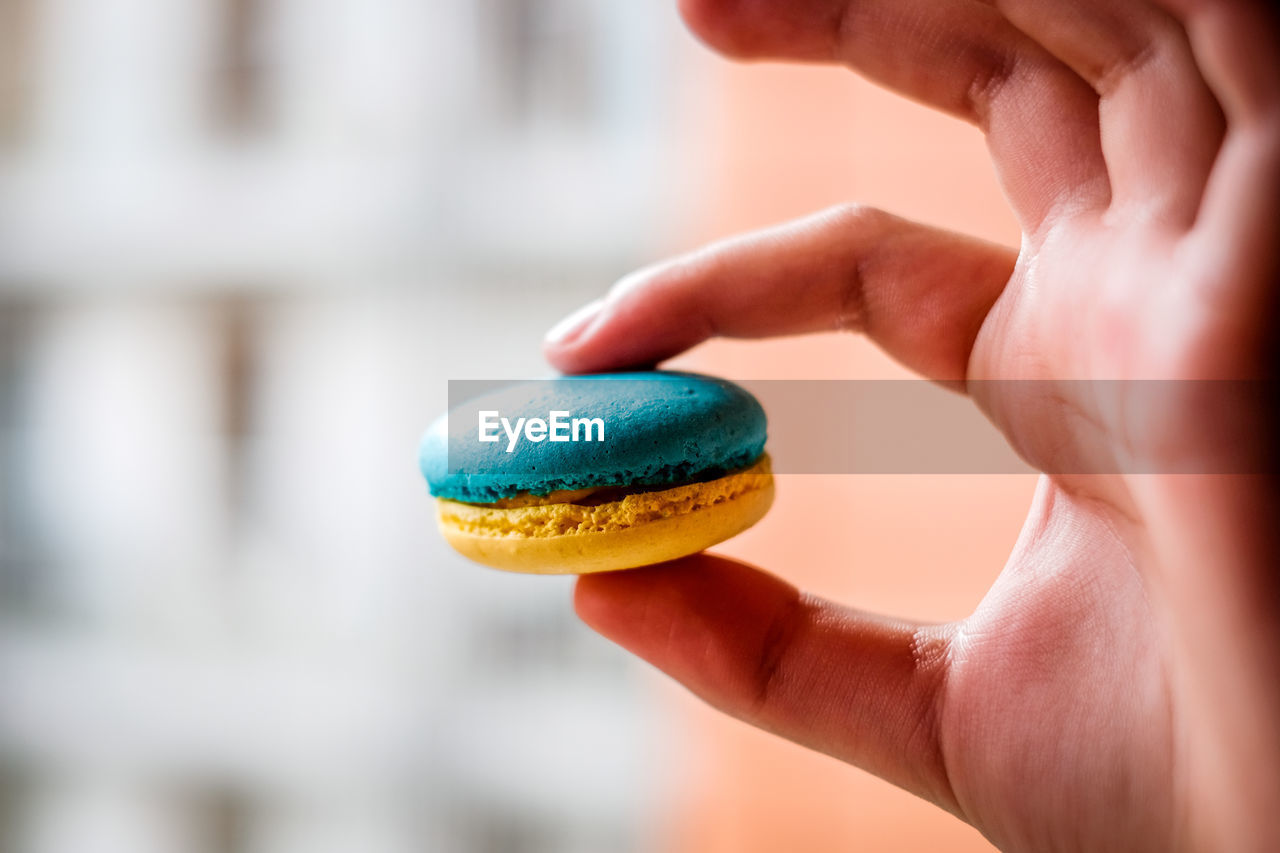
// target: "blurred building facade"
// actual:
[[243, 245]]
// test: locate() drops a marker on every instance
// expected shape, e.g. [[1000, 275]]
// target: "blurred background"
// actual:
[[243, 246]]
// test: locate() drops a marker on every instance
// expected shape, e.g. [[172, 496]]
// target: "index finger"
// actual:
[[921, 293]]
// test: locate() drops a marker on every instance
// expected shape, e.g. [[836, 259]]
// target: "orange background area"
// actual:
[[784, 142]]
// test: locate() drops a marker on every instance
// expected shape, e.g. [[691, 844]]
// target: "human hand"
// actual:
[[1119, 685]]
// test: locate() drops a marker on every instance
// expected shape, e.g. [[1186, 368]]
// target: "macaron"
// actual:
[[595, 473]]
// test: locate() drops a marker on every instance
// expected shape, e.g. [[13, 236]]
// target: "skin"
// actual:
[[1118, 688]]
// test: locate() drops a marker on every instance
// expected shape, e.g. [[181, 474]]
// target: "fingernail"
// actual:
[[572, 326]]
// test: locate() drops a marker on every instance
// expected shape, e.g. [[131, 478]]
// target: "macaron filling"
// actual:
[[597, 495], [587, 511]]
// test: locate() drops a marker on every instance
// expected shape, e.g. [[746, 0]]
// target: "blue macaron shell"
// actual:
[[661, 428]]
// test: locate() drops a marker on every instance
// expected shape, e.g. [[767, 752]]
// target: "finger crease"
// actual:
[[841, 25], [933, 652], [1108, 80], [994, 73], [852, 313], [774, 650]]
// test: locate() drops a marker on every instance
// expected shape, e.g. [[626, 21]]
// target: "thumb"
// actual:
[[858, 687]]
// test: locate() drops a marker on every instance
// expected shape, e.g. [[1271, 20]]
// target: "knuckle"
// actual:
[[858, 217]]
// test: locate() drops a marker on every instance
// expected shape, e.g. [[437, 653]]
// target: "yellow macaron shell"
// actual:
[[638, 529]]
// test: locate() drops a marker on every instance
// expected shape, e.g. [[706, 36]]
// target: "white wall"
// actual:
[[226, 621]]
